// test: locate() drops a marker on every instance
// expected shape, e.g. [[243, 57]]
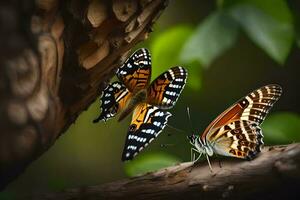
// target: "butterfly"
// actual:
[[236, 132], [148, 101]]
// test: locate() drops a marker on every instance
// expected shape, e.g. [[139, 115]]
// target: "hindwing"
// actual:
[[113, 100], [147, 122], [241, 139]]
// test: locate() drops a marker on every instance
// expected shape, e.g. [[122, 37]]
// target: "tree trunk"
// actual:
[[274, 174], [56, 57]]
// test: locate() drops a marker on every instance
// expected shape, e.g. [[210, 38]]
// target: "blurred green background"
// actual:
[[230, 48]]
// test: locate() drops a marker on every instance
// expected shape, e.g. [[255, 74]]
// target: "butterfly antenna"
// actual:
[[207, 158], [176, 129], [189, 117]]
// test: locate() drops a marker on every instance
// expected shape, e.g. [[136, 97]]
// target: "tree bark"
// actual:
[[56, 57], [274, 174]]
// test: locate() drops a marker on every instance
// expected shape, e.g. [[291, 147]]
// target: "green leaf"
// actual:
[[149, 162], [274, 36], [283, 127], [166, 47], [278, 9], [212, 37], [165, 51], [194, 76]]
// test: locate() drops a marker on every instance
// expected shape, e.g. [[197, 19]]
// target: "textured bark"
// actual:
[[274, 174], [56, 57]]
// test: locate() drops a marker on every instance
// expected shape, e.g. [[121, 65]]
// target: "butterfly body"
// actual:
[[236, 132], [136, 99], [134, 93], [201, 147]]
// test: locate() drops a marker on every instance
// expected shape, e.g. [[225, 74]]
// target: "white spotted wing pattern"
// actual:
[[147, 122], [135, 73], [113, 99], [165, 89], [148, 102]]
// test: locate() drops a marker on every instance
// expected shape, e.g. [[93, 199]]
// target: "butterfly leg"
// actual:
[[209, 163], [200, 154], [193, 154]]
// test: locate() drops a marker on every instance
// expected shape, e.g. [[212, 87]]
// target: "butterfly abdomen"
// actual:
[[137, 98]]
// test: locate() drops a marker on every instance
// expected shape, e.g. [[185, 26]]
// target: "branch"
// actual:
[[56, 57], [275, 173]]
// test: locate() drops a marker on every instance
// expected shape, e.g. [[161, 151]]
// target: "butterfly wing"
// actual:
[[135, 73], [240, 138], [165, 89], [147, 122], [236, 131], [256, 105], [114, 98]]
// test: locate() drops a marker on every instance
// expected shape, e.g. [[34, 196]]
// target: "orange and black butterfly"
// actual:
[[236, 132], [148, 102]]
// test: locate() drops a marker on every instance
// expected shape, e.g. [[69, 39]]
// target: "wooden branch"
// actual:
[[96, 13], [56, 58], [274, 174]]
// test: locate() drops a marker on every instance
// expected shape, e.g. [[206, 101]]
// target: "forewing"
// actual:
[[135, 73], [147, 122], [257, 104], [165, 90], [113, 100], [253, 108], [242, 139]]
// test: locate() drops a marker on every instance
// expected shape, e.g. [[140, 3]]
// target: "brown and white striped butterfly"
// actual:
[[148, 102], [236, 132]]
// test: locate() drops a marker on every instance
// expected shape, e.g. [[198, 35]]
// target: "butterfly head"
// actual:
[[192, 138], [201, 147], [195, 140]]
